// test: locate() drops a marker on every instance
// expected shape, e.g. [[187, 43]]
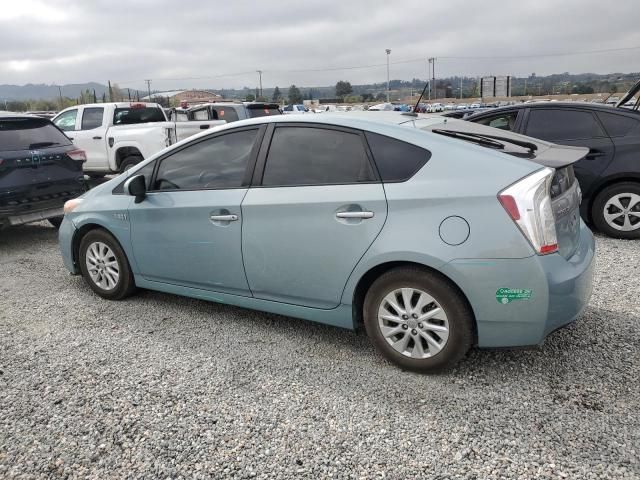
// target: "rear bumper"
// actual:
[[66, 232], [560, 290]]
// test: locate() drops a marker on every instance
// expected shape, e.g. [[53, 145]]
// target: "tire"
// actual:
[[55, 222], [129, 162], [108, 285], [455, 316], [625, 195]]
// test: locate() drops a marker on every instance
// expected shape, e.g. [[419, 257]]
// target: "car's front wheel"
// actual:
[[418, 320], [104, 265], [616, 210]]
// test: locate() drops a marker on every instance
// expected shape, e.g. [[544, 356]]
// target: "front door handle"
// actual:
[[354, 214], [97, 138], [224, 218]]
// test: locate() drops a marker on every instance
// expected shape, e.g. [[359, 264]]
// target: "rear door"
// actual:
[[317, 207], [90, 134], [575, 127]]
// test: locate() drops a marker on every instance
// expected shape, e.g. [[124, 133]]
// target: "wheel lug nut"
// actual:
[[420, 325], [415, 315], [405, 317], [414, 332], [404, 327]]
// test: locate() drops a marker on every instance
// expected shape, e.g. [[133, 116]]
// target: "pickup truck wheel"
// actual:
[[104, 265], [129, 162], [616, 210]]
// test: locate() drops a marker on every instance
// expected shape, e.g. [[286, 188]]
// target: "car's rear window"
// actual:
[[30, 133], [262, 111], [133, 115]]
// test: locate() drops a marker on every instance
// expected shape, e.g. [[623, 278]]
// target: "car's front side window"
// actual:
[[316, 156], [67, 120], [218, 162], [504, 121]]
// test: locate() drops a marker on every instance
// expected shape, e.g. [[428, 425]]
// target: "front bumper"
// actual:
[[560, 289], [66, 233]]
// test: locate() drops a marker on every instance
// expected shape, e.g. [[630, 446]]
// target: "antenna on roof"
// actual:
[[414, 114]]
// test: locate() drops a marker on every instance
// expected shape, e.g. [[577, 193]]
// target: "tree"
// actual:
[[343, 89], [277, 94], [250, 97], [367, 97], [294, 94]]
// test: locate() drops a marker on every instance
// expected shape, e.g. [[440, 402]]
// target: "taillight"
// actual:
[[528, 203], [78, 155]]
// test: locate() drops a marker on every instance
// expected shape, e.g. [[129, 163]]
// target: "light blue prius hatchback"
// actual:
[[432, 233]]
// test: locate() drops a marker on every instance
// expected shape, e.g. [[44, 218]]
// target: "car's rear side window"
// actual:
[[132, 115], [396, 160], [617, 125], [316, 156], [265, 111], [555, 124], [503, 121], [30, 133], [92, 118], [226, 113]]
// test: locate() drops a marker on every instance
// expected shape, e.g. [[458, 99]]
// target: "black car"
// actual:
[[40, 169], [609, 175]]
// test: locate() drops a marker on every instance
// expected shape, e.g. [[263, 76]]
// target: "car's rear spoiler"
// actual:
[[629, 95], [261, 105], [544, 153]]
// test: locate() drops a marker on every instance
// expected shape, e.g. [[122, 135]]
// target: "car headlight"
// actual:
[[71, 205]]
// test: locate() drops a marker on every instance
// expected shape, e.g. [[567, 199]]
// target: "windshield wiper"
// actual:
[[43, 144], [470, 137], [497, 141]]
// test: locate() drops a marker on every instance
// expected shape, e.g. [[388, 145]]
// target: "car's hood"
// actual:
[[629, 95], [546, 153]]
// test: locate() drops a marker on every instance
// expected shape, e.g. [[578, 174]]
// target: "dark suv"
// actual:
[[40, 169], [609, 175]]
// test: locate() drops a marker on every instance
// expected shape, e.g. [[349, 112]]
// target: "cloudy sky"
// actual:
[[220, 44]]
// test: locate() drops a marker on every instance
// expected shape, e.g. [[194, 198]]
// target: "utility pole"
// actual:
[[460, 88], [260, 76], [432, 61], [60, 93], [388, 50], [429, 76], [110, 91], [525, 87], [149, 88]]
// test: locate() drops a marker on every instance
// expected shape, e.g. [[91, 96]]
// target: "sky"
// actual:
[[220, 44]]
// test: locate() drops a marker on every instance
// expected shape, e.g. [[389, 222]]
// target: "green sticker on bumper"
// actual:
[[508, 295]]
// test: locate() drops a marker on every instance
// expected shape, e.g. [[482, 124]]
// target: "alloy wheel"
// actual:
[[413, 323], [622, 212], [102, 266]]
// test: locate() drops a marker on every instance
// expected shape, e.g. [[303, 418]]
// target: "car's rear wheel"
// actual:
[[104, 266], [616, 210], [418, 320]]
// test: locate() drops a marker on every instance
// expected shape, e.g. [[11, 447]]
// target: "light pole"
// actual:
[[388, 50], [260, 76]]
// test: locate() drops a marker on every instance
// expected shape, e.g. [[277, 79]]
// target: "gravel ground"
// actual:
[[160, 386]]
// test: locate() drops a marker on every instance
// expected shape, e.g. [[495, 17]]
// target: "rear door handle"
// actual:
[[354, 214], [97, 138], [595, 154], [224, 218], [204, 127]]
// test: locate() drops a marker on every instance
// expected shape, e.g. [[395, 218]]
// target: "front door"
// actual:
[[318, 209], [187, 231]]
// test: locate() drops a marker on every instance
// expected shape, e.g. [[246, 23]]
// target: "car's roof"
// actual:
[[556, 105], [5, 115]]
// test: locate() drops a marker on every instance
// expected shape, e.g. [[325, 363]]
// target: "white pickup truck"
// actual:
[[116, 136]]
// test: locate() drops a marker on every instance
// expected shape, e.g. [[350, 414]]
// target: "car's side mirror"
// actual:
[[136, 187]]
